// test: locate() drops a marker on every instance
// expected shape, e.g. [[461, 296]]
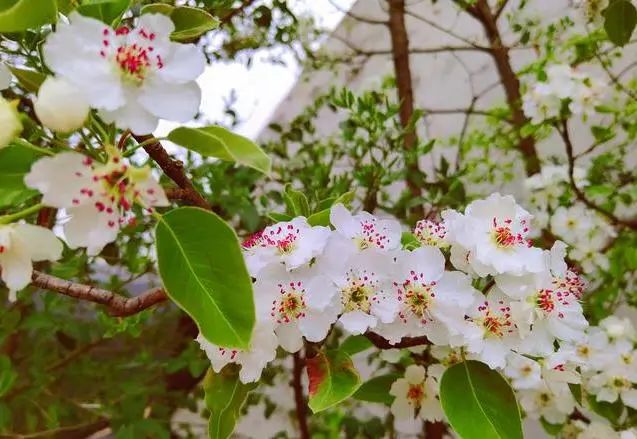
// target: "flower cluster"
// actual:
[[133, 77], [358, 277], [97, 197], [564, 87]]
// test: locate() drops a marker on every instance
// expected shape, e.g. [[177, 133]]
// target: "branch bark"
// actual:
[[175, 170], [405, 342], [118, 306], [299, 398], [510, 82], [400, 49]]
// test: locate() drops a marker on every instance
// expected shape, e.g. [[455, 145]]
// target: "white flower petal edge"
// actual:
[[133, 76], [20, 245]]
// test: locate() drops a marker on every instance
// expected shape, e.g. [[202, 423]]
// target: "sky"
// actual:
[[264, 85]]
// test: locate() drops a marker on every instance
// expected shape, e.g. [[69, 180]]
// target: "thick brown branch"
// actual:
[[175, 170], [400, 49], [118, 306], [581, 196], [510, 82], [406, 342], [299, 398]]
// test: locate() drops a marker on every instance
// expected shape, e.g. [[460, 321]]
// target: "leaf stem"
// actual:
[[6, 219]]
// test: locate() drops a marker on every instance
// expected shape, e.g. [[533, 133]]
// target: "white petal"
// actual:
[[151, 193], [629, 397], [60, 179], [290, 337], [427, 260], [16, 269], [39, 243], [415, 374], [357, 322], [175, 102], [133, 116], [315, 326], [185, 63], [159, 24], [90, 228], [343, 221]]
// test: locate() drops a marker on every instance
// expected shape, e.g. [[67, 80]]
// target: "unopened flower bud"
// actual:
[[61, 106], [10, 125]]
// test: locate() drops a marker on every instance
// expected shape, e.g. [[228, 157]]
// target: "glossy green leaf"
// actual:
[[190, 23], [279, 217], [377, 389], [218, 142], [620, 18], [321, 218], [355, 343], [15, 163], [20, 15], [609, 410], [203, 271], [479, 403], [225, 395], [333, 378], [29, 79], [106, 11]]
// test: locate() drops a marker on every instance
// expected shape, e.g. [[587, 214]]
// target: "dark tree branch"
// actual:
[[581, 196], [400, 49], [118, 306], [500, 8], [175, 170], [299, 398], [481, 11], [406, 342]]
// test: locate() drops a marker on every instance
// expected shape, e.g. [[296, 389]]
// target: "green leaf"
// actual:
[[479, 403], [106, 11], [15, 163], [213, 141], [620, 18], [552, 429], [19, 15], [377, 389], [355, 344], [29, 79], [576, 391], [409, 241], [190, 23], [203, 271], [296, 202], [225, 395], [609, 410], [333, 378], [7, 375], [279, 217]]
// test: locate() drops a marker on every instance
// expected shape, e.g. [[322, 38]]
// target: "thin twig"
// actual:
[[118, 305], [405, 342]]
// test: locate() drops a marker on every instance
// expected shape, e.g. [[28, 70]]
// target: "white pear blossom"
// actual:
[[613, 384], [364, 291], [20, 246], [133, 76], [360, 233], [416, 395], [299, 304], [554, 404], [9, 121], [523, 372], [431, 233], [60, 105], [293, 243], [252, 361], [432, 302], [98, 197], [491, 237]]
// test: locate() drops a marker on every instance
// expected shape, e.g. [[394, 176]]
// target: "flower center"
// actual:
[[133, 62], [290, 305], [415, 394], [370, 236], [495, 323], [505, 237], [431, 233]]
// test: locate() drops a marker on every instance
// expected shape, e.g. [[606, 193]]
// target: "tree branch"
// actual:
[[564, 133], [400, 49], [118, 306], [173, 169], [299, 398], [405, 342]]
